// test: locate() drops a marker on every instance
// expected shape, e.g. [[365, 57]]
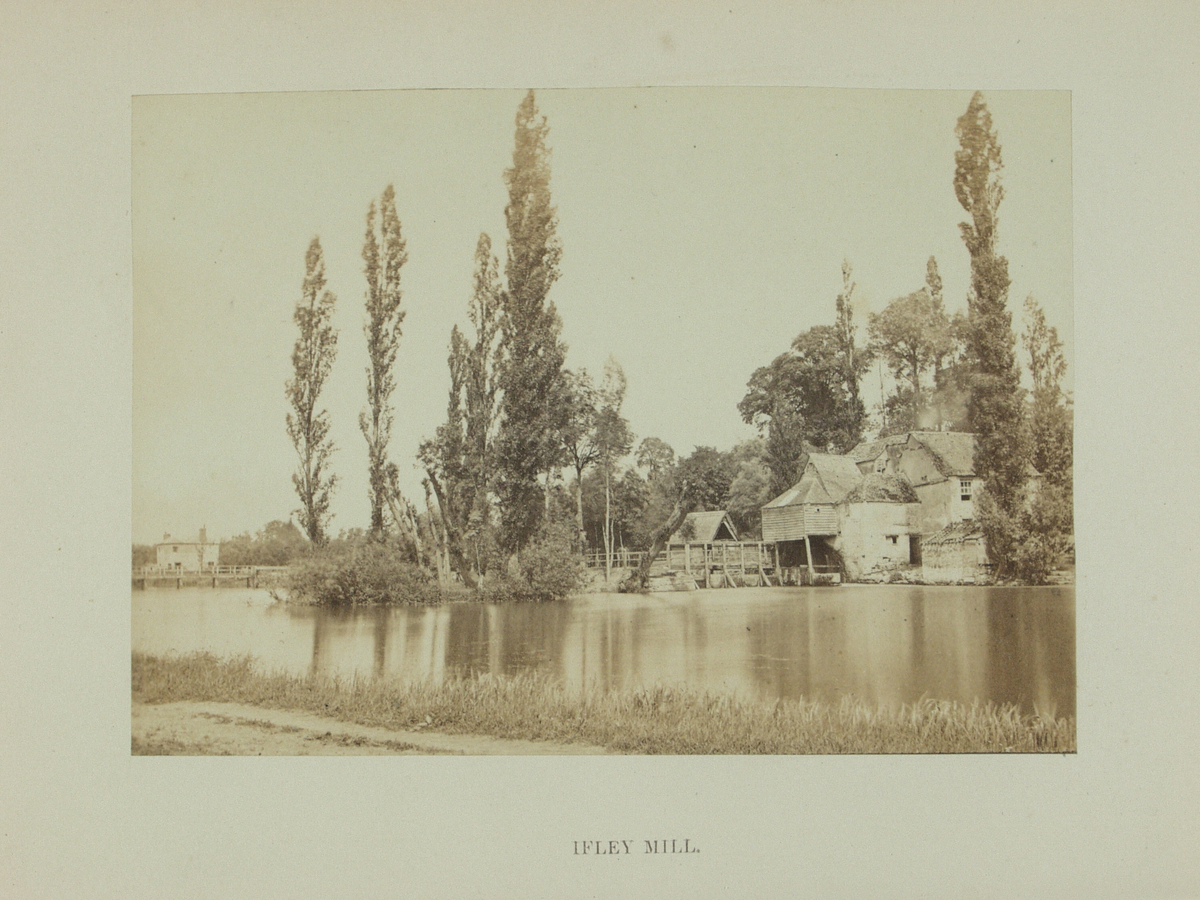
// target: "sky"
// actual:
[[702, 229]]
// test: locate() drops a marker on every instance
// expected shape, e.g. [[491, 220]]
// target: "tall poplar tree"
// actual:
[[854, 360], [383, 255], [531, 380], [995, 406], [312, 359], [458, 461]]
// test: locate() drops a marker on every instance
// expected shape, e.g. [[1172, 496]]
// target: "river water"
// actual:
[[885, 644]]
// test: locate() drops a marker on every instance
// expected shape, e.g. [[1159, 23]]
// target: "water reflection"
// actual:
[[886, 645]]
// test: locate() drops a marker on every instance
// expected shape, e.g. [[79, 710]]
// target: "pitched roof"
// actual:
[[869, 450], [193, 539], [702, 527], [953, 452], [827, 478], [877, 488], [955, 533]]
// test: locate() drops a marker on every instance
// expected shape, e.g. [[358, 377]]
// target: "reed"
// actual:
[[656, 720]]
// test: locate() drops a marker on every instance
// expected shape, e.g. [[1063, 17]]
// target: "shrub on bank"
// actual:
[[548, 569], [368, 573]]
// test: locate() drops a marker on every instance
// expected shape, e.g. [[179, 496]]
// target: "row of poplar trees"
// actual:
[[509, 416]]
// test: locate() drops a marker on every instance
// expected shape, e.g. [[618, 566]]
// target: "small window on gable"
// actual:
[[893, 538], [174, 549], [964, 488]]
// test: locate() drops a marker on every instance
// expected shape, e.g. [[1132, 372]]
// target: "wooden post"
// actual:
[[812, 572], [742, 547]]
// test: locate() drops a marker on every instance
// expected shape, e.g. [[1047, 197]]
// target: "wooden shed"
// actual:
[[705, 528]]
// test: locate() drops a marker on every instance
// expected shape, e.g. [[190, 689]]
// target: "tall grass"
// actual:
[[652, 720]]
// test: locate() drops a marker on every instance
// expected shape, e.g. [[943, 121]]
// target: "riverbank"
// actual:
[[656, 720]]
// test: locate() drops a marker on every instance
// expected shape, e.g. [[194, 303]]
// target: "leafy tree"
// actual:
[[853, 361], [656, 456], [278, 543], [144, 555], [658, 459], [1047, 522], [808, 398], [952, 380], [312, 359], [579, 436], [1051, 431], [705, 477], [531, 380], [459, 461], [613, 441], [995, 407], [912, 335], [804, 393], [383, 254], [751, 487]]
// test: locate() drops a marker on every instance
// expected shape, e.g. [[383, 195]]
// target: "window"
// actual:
[[894, 538], [964, 488]]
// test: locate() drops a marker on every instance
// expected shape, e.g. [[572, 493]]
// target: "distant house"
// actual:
[[838, 518], [199, 555], [705, 528], [940, 466]]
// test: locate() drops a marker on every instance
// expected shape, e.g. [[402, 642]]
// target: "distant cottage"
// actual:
[[199, 555]]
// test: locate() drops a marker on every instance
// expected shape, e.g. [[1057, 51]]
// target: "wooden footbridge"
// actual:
[[214, 576], [719, 564]]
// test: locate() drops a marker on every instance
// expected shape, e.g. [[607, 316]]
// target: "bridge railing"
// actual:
[[618, 559], [234, 571]]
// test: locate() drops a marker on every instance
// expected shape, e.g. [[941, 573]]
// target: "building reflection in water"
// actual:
[[883, 644]]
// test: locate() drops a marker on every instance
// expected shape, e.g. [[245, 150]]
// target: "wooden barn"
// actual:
[[837, 521]]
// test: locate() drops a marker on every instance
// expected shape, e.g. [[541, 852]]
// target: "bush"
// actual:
[[549, 569], [369, 573], [1032, 544]]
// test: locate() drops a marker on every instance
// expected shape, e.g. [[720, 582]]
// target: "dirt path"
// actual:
[[234, 729]]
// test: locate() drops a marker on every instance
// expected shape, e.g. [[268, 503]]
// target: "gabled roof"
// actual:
[[877, 488], [953, 452], [173, 541], [827, 478], [955, 533], [871, 450], [702, 528]]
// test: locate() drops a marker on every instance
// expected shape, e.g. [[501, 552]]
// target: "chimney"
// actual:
[[203, 534], [166, 537]]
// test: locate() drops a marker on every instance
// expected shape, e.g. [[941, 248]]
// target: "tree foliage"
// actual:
[[459, 460], [808, 397], [995, 407], [312, 360], [531, 380], [1051, 431], [913, 336], [383, 255], [579, 437], [613, 437]]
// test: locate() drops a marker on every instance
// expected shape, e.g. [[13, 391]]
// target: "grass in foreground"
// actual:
[[652, 720]]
